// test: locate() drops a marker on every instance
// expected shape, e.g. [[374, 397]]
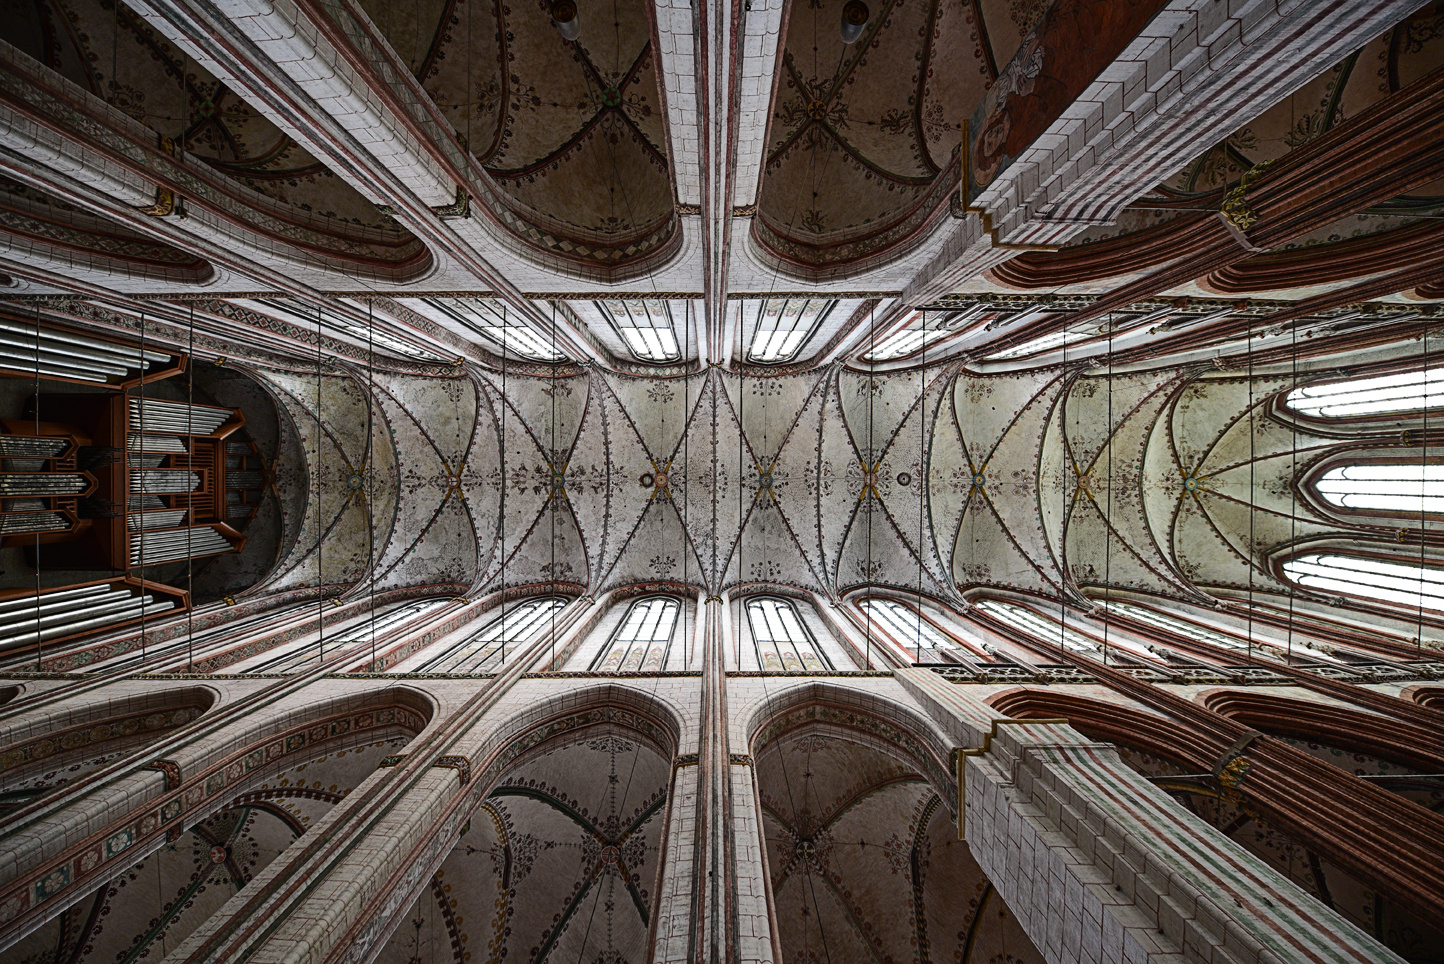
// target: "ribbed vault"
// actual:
[[1037, 482]]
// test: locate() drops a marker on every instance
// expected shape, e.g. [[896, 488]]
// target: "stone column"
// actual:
[[1100, 866]]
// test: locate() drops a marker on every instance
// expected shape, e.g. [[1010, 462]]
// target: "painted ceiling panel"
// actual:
[[838, 481], [332, 511], [772, 551], [796, 483], [987, 554], [443, 410], [611, 512], [603, 474], [987, 406], [950, 480], [658, 548], [1093, 411], [734, 484], [427, 482], [523, 491], [571, 133], [1024, 476], [866, 865], [481, 479], [875, 553], [903, 465], [769, 408], [658, 409], [1117, 488], [551, 549], [1098, 554], [443, 552], [558, 865], [551, 413], [1232, 522], [874, 407]]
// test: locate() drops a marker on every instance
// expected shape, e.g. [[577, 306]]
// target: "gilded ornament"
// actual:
[[1235, 205]]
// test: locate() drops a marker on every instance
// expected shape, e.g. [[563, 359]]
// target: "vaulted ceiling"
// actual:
[[1039, 483], [570, 132]]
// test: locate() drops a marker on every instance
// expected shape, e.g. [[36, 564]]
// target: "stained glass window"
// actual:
[[780, 326], [647, 325], [498, 324], [306, 654], [783, 643], [919, 639]]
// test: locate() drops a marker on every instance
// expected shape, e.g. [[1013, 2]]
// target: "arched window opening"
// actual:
[[1398, 487], [308, 653], [916, 637], [1261, 645], [641, 645], [1373, 579], [779, 327], [491, 320], [647, 326], [1179, 626], [487, 649], [1048, 631], [1400, 392], [783, 644]]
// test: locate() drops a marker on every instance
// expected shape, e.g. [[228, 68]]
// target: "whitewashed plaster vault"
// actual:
[[593, 481]]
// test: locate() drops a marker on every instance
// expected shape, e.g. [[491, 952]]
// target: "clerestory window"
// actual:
[[1399, 487], [780, 326], [486, 650], [307, 653], [495, 322], [783, 644], [1408, 584], [647, 325], [1182, 627], [1050, 631], [918, 638], [641, 644], [1399, 393]]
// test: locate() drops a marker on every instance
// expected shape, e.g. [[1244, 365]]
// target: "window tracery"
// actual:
[[1410, 585], [1052, 632], [487, 318], [1397, 393], [641, 644], [485, 651], [309, 652], [1173, 624], [923, 330], [780, 326], [1401, 487], [783, 644], [647, 326], [916, 637]]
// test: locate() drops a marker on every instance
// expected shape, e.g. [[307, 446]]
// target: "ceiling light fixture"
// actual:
[[565, 19], [854, 18]]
